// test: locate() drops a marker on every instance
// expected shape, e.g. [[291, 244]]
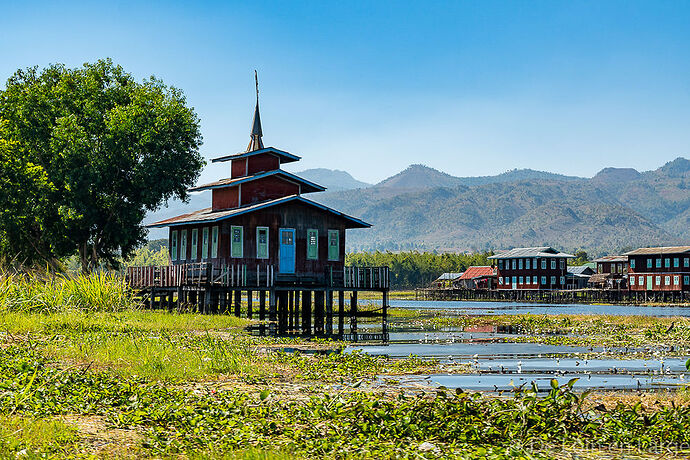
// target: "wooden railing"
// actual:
[[200, 274], [364, 278]]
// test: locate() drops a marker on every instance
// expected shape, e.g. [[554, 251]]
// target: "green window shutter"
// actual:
[[183, 244], [236, 239], [173, 245], [333, 245], [262, 242], [313, 244], [204, 243], [195, 242], [214, 242]]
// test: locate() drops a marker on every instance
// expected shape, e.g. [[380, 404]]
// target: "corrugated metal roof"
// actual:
[[581, 270], [612, 259], [659, 250], [478, 272], [540, 251], [285, 157], [208, 215], [449, 276], [307, 186]]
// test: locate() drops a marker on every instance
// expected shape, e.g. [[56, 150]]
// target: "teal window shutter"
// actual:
[[204, 243], [183, 244], [214, 242], [236, 241], [333, 245], [195, 242], [173, 245], [262, 242], [313, 244]]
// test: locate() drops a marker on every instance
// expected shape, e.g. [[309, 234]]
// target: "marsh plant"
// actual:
[[53, 293]]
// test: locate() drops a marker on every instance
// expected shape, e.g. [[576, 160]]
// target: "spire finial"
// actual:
[[256, 79], [256, 143]]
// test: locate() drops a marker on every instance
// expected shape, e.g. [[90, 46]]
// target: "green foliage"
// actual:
[[416, 269], [145, 256], [84, 154], [581, 257], [176, 421], [36, 292]]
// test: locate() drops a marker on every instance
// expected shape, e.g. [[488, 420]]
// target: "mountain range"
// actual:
[[426, 209]]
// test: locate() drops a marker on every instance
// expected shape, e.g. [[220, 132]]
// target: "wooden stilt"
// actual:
[[353, 316], [250, 296], [341, 313], [238, 303], [262, 305], [329, 313], [306, 312]]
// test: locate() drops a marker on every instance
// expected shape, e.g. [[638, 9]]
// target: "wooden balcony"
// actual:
[[201, 275]]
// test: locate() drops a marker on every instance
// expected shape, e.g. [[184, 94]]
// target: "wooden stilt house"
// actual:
[[261, 239]]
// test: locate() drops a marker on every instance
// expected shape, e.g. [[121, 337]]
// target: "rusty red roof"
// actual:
[[477, 272], [305, 185]]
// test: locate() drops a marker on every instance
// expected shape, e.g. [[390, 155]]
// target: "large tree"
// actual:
[[101, 149]]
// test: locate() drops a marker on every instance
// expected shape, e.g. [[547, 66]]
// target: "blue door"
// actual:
[[287, 250]]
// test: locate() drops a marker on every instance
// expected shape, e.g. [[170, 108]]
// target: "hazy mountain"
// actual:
[[332, 179], [617, 208], [419, 177], [424, 208]]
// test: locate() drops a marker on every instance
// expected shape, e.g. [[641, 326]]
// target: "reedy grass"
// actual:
[[26, 437], [46, 293]]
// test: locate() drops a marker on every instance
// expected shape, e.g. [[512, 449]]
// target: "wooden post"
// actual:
[[250, 294], [295, 312], [151, 299], [341, 313], [290, 308], [353, 315], [329, 312], [238, 303], [272, 305], [262, 305], [282, 307], [207, 300], [306, 312], [318, 312], [384, 319]]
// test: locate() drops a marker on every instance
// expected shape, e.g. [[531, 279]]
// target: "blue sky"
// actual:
[[471, 88]]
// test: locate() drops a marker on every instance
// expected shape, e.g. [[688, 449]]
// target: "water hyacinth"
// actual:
[[45, 293]]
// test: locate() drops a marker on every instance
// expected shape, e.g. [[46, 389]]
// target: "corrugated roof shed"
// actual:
[[659, 250], [540, 251], [612, 259], [449, 276], [581, 270], [478, 272]]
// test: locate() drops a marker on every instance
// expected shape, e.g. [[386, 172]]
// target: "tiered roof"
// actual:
[[277, 175]]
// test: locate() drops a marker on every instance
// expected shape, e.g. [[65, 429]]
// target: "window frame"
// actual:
[[337, 246], [194, 250], [183, 244], [543, 280], [205, 239], [173, 245], [234, 245], [315, 246], [258, 242], [632, 263]]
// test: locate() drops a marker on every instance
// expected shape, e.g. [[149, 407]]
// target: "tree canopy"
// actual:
[[84, 154]]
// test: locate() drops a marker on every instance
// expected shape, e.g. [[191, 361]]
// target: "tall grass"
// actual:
[[44, 293]]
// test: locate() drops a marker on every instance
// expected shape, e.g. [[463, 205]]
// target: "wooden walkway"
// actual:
[[556, 296]]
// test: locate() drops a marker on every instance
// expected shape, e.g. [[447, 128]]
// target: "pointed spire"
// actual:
[[256, 143]]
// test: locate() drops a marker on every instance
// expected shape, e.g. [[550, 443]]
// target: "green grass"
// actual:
[[37, 292], [28, 437]]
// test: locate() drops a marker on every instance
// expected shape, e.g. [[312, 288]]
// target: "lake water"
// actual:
[[497, 364]]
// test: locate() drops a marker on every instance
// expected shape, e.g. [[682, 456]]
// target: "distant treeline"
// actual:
[[417, 269]]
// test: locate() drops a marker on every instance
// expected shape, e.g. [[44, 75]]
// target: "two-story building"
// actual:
[[659, 269], [538, 268]]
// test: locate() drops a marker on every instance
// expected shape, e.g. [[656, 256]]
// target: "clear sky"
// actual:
[[471, 88]]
